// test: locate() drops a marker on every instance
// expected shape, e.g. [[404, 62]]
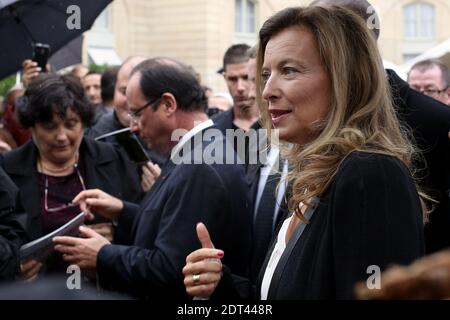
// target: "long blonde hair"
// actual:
[[361, 117]]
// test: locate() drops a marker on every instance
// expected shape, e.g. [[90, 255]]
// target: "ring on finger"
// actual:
[[196, 278]]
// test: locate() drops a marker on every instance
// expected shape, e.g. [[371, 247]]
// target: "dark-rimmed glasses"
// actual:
[[63, 206], [430, 92], [135, 115]]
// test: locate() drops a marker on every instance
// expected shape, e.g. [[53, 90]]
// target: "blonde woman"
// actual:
[[355, 205]]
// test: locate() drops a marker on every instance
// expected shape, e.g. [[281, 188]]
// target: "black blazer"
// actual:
[[429, 121], [12, 231], [105, 168], [370, 215], [164, 233]]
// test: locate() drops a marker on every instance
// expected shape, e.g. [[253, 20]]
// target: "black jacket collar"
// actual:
[[286, 253], [400, 90]]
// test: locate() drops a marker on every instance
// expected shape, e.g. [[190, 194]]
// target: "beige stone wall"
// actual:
[[392, 43], [196, 32], [199, 31]]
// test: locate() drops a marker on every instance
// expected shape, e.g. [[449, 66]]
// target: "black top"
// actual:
[[107, 169], [369, 216], [57, 193]]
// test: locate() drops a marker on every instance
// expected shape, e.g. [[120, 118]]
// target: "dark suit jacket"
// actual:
[[370, 215], [164, 233], [429, 121], [12, 231], [105, 169]]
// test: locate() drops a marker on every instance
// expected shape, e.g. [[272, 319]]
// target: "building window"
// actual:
[[245, 16], [409, 56], [419, 21], [103, 20]]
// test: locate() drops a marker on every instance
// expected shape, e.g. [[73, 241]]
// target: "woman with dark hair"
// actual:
[[59, 162], [355, 206]]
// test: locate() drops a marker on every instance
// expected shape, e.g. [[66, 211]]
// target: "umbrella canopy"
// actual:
[[53, 22], [4, 3], [441, 52], [68, 55]]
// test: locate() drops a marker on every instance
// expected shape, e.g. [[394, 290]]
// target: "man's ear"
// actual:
[[447, 92], [169, 103]]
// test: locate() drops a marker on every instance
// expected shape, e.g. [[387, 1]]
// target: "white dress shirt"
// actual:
[[277, 252]]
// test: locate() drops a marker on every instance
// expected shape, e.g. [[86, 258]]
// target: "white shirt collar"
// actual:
[[196, 129]]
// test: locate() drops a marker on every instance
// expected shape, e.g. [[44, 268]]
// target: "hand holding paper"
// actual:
[[40, 248], [81, 251]]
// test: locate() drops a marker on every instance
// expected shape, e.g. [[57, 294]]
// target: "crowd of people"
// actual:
[[357, 177]]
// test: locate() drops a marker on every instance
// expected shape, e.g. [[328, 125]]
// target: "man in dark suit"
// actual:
[[118, 119], [166, 102], [429, 123]]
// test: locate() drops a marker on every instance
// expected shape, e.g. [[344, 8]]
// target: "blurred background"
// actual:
[[198, 32]]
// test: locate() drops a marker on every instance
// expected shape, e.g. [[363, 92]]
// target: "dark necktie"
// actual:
[[263, 226]]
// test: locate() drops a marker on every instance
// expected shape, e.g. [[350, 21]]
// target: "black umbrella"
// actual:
[[68, 55], [54, 22]]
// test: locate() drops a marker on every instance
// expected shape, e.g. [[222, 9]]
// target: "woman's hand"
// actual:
[[106, 230], [203, 269], [96, 201], [29, 270]]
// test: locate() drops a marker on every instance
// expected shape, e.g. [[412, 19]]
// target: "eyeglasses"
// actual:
[[135, 115], [64, 206], [430, 92]]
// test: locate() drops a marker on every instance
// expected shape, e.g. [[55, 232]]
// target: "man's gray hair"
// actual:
[[425, 65]]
